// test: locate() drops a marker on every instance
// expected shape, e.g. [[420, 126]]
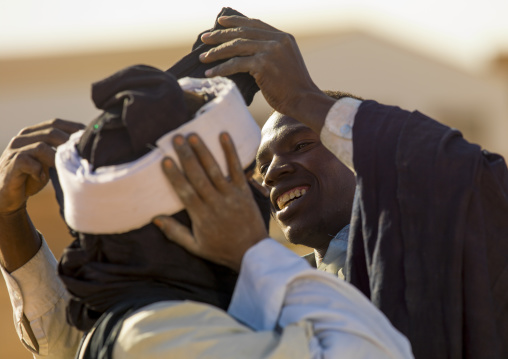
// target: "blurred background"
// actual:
[[446, 58]]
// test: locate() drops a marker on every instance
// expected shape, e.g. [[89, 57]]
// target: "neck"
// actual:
[[320, 254]]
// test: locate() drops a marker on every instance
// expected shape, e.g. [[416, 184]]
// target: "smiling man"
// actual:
[[311, 191], [428, 237]]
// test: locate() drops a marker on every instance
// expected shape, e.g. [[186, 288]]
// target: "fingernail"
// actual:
[[42, 177], [205, 35], [178, 140], [203, 55], [167, 163], [157, 221], [193, 139], [222, 18], [224, 137], [208, 73]]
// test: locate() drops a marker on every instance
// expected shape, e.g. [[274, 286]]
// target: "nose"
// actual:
[[278, 169]]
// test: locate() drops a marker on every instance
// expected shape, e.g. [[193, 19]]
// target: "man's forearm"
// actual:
[[19, 240], [311, 109]]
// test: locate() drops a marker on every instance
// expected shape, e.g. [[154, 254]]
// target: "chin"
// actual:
[[306, 237]]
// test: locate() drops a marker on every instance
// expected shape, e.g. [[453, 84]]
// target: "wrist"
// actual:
[[239, 255], [19, 240], [13, 214], [312, 108]]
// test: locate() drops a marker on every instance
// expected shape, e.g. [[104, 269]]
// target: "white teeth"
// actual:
[[283, 200]]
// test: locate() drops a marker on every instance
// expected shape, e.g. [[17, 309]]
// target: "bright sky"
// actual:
[[464, 31]]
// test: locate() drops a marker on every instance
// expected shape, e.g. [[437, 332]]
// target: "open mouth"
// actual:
[[286, 198]]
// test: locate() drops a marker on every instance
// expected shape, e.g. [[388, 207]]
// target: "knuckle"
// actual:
[[24, 131], [236, 42], [55, 122], [19, 158], [286, 39], [186, 193], [39, 146], [241, 30], [216, 33], [234, 61], [215, 173], [53, 132], [15, 141], [263, 62]]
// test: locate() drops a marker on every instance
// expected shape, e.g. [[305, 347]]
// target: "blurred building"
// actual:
[[37, 89]]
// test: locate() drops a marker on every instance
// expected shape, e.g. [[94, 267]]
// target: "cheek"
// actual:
[[338, 181]]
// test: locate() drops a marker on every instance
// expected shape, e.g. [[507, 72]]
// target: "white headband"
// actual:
[[121, 198]]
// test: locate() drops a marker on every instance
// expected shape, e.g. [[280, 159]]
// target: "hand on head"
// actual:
[[24, 171], [226, 220], [25, 162], [271, 56]]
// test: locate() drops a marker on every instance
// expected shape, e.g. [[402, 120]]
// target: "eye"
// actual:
[[302, 145], [263, 168]]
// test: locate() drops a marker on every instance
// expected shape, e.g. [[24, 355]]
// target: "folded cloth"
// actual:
[[133, 190], [190, 66]]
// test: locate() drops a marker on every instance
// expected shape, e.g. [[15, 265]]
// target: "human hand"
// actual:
[[25, 163], [226, 220], [271, 56]]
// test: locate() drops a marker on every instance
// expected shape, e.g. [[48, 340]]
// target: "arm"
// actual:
[[342, 321], [27, 265], [273, 58], [288, 311], [24, 167], [39, 300], [276, 289]]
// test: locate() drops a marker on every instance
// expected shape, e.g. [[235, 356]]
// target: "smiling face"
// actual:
[[311, 191]]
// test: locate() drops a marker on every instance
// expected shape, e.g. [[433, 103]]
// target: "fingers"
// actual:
[[51, 136], [235, 65], [238, 21], [40, 152], [233, 48], [23, 173], [176, 232], [232, 160], [192, 168], [201, 178], [221, 36], [68, 127], [182, 187], [53, 132], [24, 164], [208, 162]]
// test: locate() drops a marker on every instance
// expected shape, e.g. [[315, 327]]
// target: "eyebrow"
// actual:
[[292, 132]]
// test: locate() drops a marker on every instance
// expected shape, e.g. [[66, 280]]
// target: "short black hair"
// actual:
[[339, 94], [333, 94]]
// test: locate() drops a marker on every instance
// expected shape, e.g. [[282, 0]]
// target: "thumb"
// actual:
[[176, 232]]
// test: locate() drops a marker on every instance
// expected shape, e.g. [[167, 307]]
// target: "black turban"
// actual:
[[191, 66]]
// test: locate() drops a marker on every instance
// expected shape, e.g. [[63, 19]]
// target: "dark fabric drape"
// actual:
[[139, 267], [429, 233], [191, 66], [139, 104]]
